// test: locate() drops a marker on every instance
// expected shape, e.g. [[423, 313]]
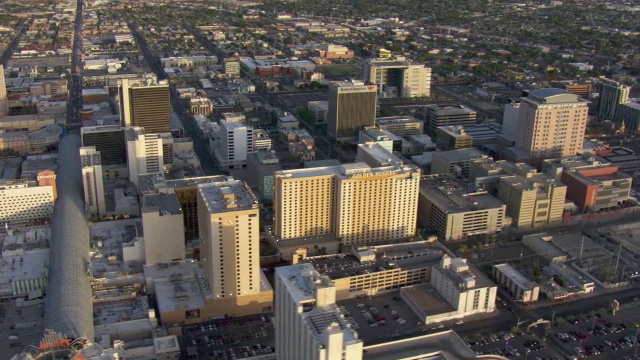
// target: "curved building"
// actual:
[[69, 306]]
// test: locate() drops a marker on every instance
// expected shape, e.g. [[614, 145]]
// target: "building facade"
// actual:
[[552, 123], [612, 94], [453, 138], [437, 116], [162, 229], [109, 140], [517, 285], [145, 105], [309, 325], [228, 221], [92, 181], [21, 202], [234, 141], [398, 77], [401, 125], [352, 106], [144, 154]]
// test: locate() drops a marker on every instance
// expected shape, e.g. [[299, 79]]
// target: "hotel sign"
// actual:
[[370, 174]]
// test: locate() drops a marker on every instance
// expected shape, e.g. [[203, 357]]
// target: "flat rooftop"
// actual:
[[427, 298], [180, 284], [456, 195], [460, 155], [446, 345], [390, 120], [165, 204], [231, 195]]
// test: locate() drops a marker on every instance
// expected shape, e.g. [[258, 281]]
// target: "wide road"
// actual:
[[74, 100]]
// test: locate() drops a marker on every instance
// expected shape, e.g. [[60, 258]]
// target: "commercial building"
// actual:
[[453, 138], [352, 106], [401, 125], [456, 208], [22, 201], [517, 285], [309, 325], [398, 77], [162, 229], [145, 105], [381, 137], [231, 66], [534, 200], [591, 184], [228, 218], [437, 116], [144, 153], [552, 123], [92, 182], [628, 114], [465, 289], [612, 94], [336, 200], [455, 161], [109, 141], [261, 168], [201, 106], [319, 110], [233, 142]]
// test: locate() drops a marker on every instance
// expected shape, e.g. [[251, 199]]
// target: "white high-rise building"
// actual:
[[144, 153], [309, 325], [229, 225], [92, 181], [234, 141], [398, 77], [4, 101]]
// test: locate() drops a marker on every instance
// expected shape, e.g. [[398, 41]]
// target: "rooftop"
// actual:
[[445, 345], [515, 276], [456, 195], [165, 204], [179, 285], [553, 96], [230, 195], [427, 299], [460, 155], [166, 344]]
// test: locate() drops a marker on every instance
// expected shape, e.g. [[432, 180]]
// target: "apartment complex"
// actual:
[[552, 123], [591, 184], [109, 141], [455, 208], [146, 105], [309, 325], [401, 125], [162, 229], [437, 116], [612, 94], [352, 106], [398, 77], [92, 181], [228, 219], [144, 153], [517, 285], [338, 201], [22, 201], [453, 138]]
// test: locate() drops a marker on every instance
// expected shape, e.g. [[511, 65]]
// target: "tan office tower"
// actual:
[[368, 201], [228, 221], [352, 106], [145, 105], [398, 77], [552, 123], [4, 101]]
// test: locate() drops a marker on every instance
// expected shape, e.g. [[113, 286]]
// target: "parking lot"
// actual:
[[382, 317], [228, 339], [512, 346]]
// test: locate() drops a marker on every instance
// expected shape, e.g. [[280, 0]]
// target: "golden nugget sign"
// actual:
[[369, 174]]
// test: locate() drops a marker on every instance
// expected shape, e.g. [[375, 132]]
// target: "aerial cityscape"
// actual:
[[336, 180]]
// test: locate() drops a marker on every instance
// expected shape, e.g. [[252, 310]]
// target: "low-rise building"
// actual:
[[456, 209], [201, 106], [401, 125], [517, 285], [319, 110], [453, 138], [455, 161], [22, 201]]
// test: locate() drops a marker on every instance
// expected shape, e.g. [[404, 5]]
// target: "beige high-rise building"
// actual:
[[92, 181], [309, 325], [145, 155], [552, 123], [228, 220], [4, 101], [340, 200], [162, 228], [352, 106]]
